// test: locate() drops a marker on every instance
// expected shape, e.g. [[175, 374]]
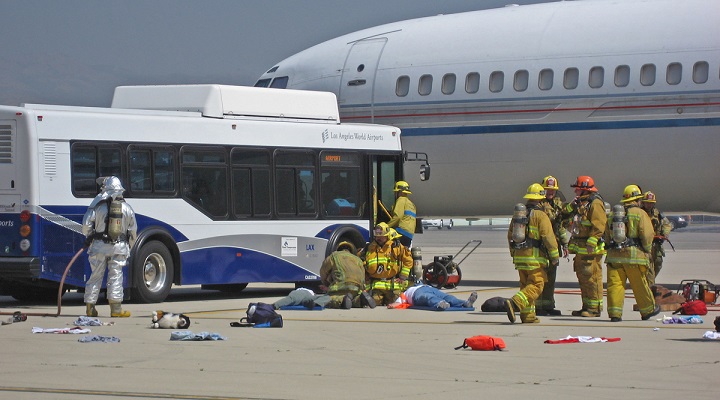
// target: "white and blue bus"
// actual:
[[230, 185]]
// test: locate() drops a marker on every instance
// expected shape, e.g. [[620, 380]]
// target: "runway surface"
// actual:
[[379, 353]]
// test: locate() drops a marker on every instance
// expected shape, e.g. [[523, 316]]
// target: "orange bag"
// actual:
[[483, 342]]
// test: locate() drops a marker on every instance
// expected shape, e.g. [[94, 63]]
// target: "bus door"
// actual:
[[357, 84], [386, 170]]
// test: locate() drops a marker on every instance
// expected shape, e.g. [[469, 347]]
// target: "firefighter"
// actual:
[[662, 228], [629, 237], [553, 206], [387, 265], [110, 230], [589, 219], [403, 214], [533, 248], [343, 274]]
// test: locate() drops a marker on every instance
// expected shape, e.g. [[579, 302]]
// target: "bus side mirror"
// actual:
[[424, 172]]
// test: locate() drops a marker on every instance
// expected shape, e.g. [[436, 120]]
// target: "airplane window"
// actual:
[[572, 76], [425, 85], [280, 82], [472, 82], [622, 75], [597, 77], [647, 75], [520, 83], [402, 86], [273, 69], [360, 68], [448, 84], [674, 73], [701, 71], [545, 79], [263, 83], [497, 80]]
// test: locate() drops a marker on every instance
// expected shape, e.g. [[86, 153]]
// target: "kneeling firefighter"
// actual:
[[387, 265], [110, 229]]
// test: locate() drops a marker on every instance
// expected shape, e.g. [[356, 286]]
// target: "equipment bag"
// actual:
[[260, 315], [483, 342], [494, 304], [692, 307]]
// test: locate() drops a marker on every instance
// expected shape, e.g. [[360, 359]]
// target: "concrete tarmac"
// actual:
[[379, 353]]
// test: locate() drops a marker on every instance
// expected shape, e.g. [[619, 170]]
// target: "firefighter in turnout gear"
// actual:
[[553, 206], [533, 251], [662, 228], [111, 231], [387, 265], [589, 219], [403, 214], [629, 237]]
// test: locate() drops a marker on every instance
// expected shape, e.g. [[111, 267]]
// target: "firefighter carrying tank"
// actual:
[[444, 271]]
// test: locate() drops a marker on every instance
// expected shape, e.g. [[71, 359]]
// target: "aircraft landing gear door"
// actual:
[[357, 84], [385, 172]]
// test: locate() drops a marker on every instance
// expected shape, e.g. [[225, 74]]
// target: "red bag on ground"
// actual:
[[692, 307], [483, 342]]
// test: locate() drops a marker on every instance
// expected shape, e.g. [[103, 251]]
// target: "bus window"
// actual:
[[204, 180], [92, 161], [151, 171], [164, 171], [295, 183], [251, 183], [341, 184], [140, 171]]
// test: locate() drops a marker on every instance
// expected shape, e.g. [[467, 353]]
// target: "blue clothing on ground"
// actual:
[[431, 297]]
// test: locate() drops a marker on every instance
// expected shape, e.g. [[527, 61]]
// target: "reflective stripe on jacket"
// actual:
[[638, 227], [593, 221], [539, 230]]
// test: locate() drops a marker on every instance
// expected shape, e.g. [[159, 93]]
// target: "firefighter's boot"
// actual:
[[90, 310], [117, 311]]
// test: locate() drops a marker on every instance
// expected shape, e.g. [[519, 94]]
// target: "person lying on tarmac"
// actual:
[[428, 296]]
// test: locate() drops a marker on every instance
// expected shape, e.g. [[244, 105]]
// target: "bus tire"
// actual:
[[152, 273]]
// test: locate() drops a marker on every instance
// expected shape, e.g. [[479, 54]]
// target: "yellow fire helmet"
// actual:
[[549, 182], [535, 192], [402, 186], [631, 193], [649, 197], [382, 229]]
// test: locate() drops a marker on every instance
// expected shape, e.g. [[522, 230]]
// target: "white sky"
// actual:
[[74, 52]]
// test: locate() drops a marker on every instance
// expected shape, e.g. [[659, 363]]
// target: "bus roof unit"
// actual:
[[218, 101]]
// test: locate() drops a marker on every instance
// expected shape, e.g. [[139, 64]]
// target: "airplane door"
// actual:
[[357, 84]]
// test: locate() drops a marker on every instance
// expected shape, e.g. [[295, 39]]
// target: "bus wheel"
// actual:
[[153, 272]]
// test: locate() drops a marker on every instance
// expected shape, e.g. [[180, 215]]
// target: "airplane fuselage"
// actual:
[[626, 92]]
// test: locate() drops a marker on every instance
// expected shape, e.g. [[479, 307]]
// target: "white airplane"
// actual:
[[627, 92]]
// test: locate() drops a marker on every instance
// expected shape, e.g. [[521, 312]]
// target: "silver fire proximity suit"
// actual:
[[105, 253]]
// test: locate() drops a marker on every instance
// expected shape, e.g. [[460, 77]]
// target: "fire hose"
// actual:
[[60, 290]]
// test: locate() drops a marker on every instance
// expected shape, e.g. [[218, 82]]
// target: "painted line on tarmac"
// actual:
[[123, 394]]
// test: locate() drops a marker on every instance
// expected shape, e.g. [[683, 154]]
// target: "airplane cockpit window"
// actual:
[[570, 80], [472, 82], [545, 79], [263, 83], [597, 77], [700, 72], [520, 83], [622, 76], [280, 82], [448, 84], [273, 69], [647, 75], [497, 81], [402, 86], [425, 85], [674, 73]]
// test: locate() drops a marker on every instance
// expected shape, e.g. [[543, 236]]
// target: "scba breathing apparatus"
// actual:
[[521, 218], [620, 219]]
